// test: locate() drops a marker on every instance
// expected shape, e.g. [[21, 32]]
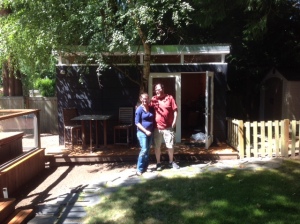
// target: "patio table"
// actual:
[[90, 118]]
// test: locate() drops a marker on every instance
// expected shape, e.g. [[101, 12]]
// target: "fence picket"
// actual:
[[248, 141], [294, 123], [264, 138], [277, 138], [270, 140], [240, 132], [255, 140], [298, 122], [285, 139]]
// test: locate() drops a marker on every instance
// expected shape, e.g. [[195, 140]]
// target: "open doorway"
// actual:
[[194, 97], [193, 87], [189, 92], [172, 86]]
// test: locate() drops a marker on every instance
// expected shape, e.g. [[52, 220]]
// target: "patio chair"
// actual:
[[125, 124], [71, 126]]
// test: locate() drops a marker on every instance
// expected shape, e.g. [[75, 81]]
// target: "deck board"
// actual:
[[124, 153]]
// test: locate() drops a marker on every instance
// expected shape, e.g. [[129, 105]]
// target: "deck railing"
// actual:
[[264, 138]]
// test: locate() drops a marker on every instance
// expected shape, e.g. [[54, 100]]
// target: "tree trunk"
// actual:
[[146, 61], [12, 85], [5, 78], [4, 12], [146, 67]]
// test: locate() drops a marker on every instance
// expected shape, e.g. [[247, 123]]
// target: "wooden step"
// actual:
[[20, 216], [7, 206]]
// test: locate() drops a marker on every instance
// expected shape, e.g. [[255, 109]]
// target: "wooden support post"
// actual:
[[248, 139], [276, 123], [285, 138], [294, 124], [241, 145]]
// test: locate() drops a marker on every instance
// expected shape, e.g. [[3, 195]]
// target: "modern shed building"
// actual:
[[196, 75], [280, 95]]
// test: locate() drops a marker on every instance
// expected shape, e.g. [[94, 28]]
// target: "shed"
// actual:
[[193, 74], [279, 95]]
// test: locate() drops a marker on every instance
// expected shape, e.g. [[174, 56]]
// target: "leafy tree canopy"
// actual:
[[262, 33], [36, 28]]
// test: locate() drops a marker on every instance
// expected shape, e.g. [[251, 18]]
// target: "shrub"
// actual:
[[46, 87]]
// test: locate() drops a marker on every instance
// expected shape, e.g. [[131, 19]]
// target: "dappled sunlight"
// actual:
[[209, 197]]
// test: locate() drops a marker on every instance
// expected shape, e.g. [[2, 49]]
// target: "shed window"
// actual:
[[160, 59], [121, 59], [202, 58]]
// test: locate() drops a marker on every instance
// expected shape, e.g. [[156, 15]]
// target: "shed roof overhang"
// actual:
[[205, 49]]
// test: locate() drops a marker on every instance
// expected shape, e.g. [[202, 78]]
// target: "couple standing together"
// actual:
[[155, 120]]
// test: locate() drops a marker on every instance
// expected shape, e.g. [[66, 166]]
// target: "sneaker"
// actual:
[[174, 165], [158, 167], [138, 173]]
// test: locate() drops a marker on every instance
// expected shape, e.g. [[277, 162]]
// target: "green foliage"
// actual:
[[263, 34], [45, 86], [35, 29]]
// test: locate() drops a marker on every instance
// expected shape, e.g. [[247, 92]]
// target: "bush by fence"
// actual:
[[46, 105]]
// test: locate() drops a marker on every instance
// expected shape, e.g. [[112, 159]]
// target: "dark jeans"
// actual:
[[145, 143]]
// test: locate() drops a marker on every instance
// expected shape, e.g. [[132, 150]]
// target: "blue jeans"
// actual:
[[145, 143]]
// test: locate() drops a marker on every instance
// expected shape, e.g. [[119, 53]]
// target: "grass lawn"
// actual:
[[231, 196]]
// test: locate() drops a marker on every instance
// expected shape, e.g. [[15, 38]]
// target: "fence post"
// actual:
[[285, 138], [294, 126], [248, 138], [241, 146]]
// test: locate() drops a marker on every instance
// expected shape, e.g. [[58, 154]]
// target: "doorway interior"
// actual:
[[189, 91], [192, 104]]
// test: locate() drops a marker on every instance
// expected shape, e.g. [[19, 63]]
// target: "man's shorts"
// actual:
[[166, 134]]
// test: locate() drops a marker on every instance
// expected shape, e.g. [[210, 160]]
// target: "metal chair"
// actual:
[[125, 124], [71, 126]]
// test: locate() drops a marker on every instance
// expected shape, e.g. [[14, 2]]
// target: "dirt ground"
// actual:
[[61, 180], [54, 182]]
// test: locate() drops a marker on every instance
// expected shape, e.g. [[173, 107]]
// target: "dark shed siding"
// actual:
[[79, 87]]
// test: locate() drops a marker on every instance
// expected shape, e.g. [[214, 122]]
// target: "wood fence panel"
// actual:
[[16, 102], [46, 105], [48, 113], [264, 138]]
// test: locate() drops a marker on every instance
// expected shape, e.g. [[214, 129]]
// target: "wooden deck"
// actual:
[[124, 153]]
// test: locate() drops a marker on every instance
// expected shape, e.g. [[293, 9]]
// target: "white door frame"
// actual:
[[209, 105], [209, 109], [177, 77]]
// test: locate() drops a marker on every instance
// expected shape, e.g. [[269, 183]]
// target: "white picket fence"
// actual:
[[264, 138]]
